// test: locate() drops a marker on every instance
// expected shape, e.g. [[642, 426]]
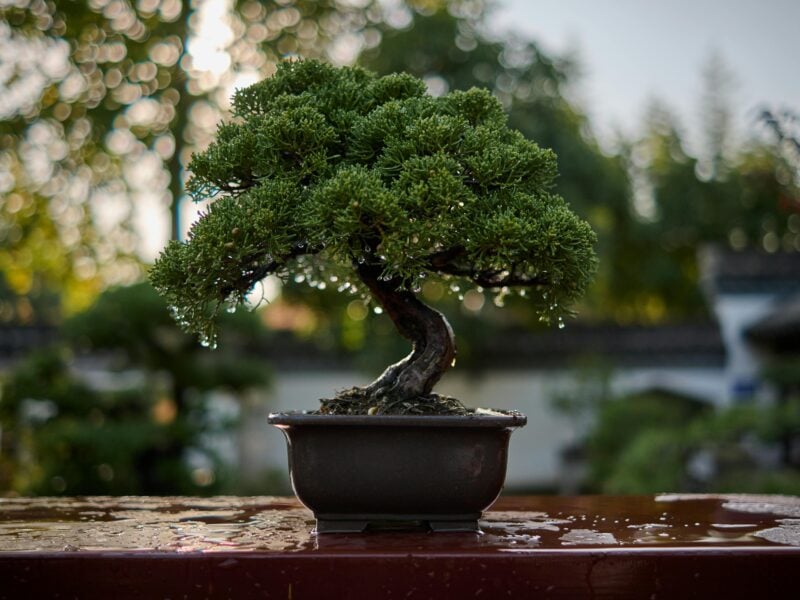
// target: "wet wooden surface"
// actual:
[[561, 547]]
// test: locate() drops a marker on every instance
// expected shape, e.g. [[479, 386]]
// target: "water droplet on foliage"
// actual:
[[377, 310], [561, 324], [321, 285], [208, 343], [299, 278]]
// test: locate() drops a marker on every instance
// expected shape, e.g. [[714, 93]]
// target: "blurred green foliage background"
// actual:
[[102, 104]]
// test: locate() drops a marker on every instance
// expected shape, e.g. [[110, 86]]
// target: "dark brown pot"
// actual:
[[358, 471]]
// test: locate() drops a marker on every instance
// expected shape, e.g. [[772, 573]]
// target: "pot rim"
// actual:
[[489, 419]]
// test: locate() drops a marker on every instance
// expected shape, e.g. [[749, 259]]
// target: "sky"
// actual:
[[633, 51]]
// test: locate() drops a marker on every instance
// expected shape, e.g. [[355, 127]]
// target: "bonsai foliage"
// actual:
[[338, 177]]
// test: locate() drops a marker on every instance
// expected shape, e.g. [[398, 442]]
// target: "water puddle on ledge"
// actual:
[[150, 524], [281, 525]]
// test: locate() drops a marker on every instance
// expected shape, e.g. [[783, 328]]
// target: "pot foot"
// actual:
[[469, 525], [382, 523], [337, 526]]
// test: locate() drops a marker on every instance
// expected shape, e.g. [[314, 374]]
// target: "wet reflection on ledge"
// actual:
[[281, 525]]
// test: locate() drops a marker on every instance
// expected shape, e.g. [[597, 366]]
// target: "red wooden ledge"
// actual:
[[669, 546]]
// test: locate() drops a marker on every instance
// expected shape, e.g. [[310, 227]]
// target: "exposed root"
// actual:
[[357, 401]]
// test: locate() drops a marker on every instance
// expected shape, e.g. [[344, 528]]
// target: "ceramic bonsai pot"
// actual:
[[357, 472]]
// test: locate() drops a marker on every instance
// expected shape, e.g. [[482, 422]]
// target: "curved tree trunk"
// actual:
[[427, 329]]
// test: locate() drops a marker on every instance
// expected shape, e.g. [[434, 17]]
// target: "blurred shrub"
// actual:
[[146, 429], [653, 461], [621, 423], [62, 437], [649, 444]]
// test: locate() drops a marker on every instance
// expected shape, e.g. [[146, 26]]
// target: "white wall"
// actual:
[[703, 383], [735, 313]]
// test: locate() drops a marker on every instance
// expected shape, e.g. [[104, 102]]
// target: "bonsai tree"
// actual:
[[338, 177]]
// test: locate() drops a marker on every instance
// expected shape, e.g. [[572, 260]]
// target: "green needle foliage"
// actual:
[[325, 169]]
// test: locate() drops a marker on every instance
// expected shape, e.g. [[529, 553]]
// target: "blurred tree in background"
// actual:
[[737, 195], [785, 125], [103, 103]]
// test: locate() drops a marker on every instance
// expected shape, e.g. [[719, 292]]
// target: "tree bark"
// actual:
[[178, 126], [433, 344]]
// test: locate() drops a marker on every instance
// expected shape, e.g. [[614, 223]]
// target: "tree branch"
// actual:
[[258, 273], [446, 263]]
